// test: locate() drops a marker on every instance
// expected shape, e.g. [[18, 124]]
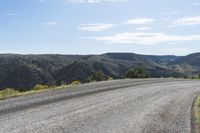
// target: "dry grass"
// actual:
[[9, 93], [196, 114], [76, 82]]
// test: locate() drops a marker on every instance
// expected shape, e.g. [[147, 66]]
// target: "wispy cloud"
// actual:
[[51, 23], [93, 1], [106, 26], [96, 27], [144, 28], [195, 20], [144, 38], [12, 14], [140, 21]]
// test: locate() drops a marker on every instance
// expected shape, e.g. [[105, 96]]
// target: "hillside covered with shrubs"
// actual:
[[23, 72]]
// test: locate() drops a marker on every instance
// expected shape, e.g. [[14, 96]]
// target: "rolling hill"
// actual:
[[23, 72]]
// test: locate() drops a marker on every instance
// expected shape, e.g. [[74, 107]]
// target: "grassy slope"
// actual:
[[9, 93], [196, 115]]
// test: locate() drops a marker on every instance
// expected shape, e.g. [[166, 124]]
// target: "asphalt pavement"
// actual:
[[119, 106]]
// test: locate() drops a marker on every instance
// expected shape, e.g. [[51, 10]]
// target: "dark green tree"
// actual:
[[138, 72], [97, 76]]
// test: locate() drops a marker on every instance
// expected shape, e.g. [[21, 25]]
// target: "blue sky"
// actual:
[[157, 27]]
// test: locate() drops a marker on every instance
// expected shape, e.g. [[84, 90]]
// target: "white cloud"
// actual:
[[12, 14], [195, 20], [140, 21], [93, 1], [51, 23], [96, 27], [106, 26], [144, 38], [143, 28]]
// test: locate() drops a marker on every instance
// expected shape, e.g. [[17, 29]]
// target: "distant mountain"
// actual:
[[192, 59], [25, 71], [189, 64], [131, 56]]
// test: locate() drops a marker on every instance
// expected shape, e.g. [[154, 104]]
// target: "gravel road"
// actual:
[[120, 106]]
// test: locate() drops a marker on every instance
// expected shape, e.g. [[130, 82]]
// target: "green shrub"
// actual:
[[90, 80], [110, 78], [186, 77], [9, 92], [97, 76], [76, 82], [40, 87], [138, 72]]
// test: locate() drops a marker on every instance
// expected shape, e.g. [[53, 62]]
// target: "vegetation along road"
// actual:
[[119, 106]]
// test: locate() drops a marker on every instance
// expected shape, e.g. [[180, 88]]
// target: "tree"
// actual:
[[97, 76], [138, 72]]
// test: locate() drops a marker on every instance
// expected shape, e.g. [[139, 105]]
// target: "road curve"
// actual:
[[121, 106]]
